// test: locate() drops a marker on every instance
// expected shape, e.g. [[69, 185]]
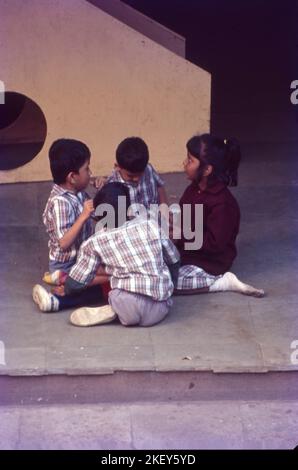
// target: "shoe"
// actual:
[[230, 282], [46, 301], [89, 316], [56, 278]]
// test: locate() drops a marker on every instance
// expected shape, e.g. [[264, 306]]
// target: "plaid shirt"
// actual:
[[62, 210], [146, 191], [134, 255]]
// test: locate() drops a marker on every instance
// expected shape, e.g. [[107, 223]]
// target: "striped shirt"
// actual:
[[135, 256], [62, 210], [146, 190]]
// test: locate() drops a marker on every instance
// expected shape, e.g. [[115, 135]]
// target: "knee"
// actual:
[[156, 315]]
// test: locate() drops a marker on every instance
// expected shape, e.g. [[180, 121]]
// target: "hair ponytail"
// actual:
[[223, 155]]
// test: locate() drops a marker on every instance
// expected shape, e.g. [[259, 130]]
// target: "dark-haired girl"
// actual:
[[211, 165]]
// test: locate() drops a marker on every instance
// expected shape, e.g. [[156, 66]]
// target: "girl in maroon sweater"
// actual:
[[211, 165]]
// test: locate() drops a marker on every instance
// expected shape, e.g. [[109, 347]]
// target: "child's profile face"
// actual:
[[191, 166], [82, 178], [128, 176]]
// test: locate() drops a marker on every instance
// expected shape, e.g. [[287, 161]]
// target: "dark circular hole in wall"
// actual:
[[23, 130], [11, 110]]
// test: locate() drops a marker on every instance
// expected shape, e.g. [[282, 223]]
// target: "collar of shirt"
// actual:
[[60, 191], [128, 183]]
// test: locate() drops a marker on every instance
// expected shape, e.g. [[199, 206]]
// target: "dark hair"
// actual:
[[67, 155], [109, 194], [132, 154], [223, 155]]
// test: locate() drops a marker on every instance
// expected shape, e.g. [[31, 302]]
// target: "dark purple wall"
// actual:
[[251, 49]]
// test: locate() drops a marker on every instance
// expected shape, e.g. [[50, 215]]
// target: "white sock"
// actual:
[[230, 282]]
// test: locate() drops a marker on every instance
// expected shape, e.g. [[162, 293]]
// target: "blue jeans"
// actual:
[[65, 267], [89, 296]]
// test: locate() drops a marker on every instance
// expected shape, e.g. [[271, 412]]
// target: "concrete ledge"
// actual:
[[147, 386]]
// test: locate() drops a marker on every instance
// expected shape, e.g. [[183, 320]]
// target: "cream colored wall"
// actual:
[[98, 80]]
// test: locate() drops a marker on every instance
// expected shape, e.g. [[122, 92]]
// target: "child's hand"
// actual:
[[99, 181], [88, 209], [59, 290]]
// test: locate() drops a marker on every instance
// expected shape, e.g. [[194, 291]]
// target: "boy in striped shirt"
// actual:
[[67, 219], [133, 169], [142, 265]]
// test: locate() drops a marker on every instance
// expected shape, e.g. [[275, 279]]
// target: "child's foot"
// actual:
[[46, 302], [89, 316], [56, 278], [230, 282]]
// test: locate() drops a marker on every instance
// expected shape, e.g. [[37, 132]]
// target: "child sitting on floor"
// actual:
[[143, 266], [67, 217], [133, 169]]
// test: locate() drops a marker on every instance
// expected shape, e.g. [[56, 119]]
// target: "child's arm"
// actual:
[[84, 271], [100, 277], [221, 226], [70, 236], [99, 181], [162, 195], [155, 177]]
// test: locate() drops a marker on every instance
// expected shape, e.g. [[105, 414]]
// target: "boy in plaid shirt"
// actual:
[[68, 209], [133, 169], [143, 267], [67, 218]]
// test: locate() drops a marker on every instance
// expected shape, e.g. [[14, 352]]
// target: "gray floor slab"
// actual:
[[68, 428], [9, 428], [269, 425], [202, 426], [217, 332], [276, 327], [179, 425]]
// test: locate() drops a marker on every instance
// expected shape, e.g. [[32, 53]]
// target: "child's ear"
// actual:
[[71, 177], [116, 166], [208, 170]]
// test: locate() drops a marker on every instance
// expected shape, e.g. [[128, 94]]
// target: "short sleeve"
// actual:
[[156, 177], [63, 217], [86, 265]]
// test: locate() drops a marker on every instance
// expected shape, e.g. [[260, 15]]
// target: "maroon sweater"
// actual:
[[221, 218]]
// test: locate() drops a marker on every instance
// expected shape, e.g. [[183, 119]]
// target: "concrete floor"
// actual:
[[223, 332], [196, 425], [63, 387]]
